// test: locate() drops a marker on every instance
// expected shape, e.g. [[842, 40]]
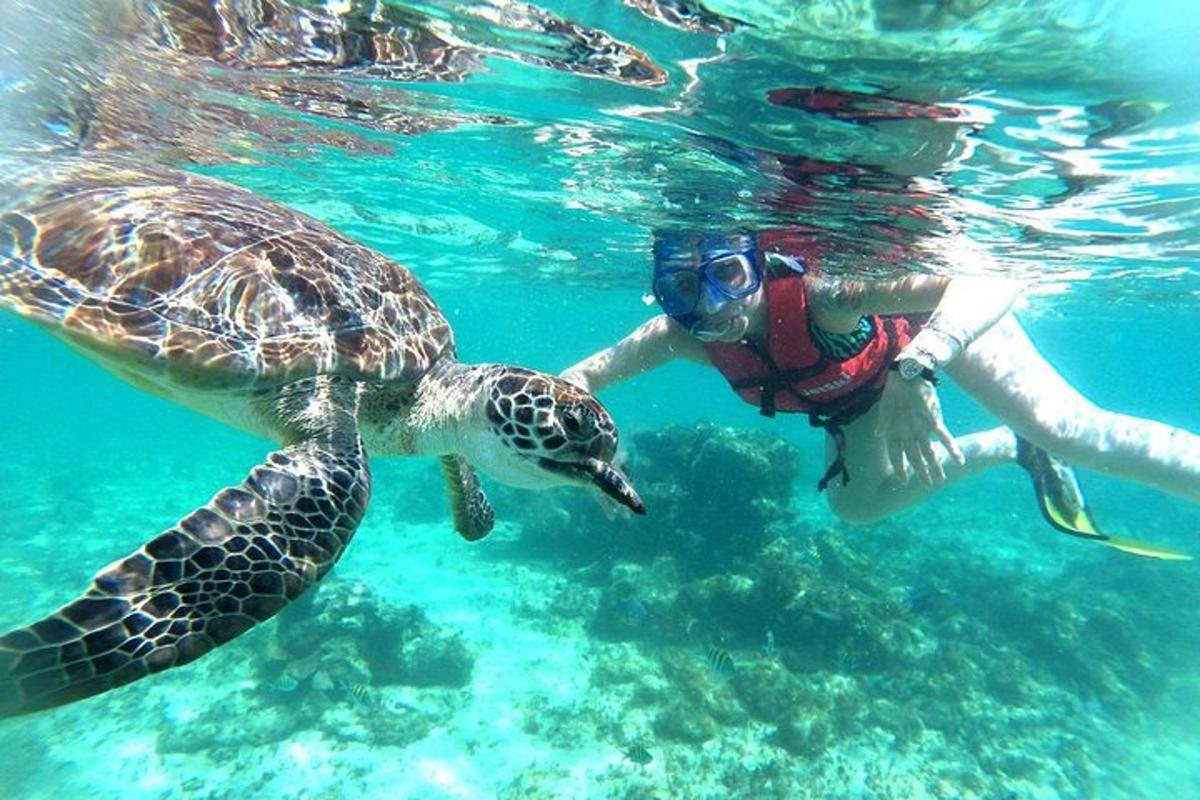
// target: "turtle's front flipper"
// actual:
[[224, 567], [473, 515]]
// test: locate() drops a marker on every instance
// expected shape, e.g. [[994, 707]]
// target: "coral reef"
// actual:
[[838, 639], [345, 629], [830, 646], [715, 496], [940, 654], [336, 661]]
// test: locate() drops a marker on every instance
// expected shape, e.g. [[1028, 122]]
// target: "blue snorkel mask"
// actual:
[[691, 267]]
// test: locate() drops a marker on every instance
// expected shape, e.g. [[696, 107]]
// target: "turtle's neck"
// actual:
[[447, 399]]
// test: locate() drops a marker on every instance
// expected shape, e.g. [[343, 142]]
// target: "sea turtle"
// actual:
[[272, 322]]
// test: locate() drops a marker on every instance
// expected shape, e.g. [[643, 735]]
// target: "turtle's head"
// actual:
[[542, 431]]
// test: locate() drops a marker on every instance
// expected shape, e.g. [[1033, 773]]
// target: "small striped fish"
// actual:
[[720, 662], [360, 692], [281, 684]]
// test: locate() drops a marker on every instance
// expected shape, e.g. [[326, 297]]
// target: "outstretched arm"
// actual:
[[650, 345], [963, 307]]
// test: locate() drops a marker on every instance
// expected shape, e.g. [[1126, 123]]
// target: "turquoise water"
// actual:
[[961, 649]]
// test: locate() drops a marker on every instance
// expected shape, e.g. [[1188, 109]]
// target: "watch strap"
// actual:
[[926, 373]]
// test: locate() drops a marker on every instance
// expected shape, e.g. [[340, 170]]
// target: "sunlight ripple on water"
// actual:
[[880, 125]]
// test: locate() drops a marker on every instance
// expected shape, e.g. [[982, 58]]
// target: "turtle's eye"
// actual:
[[572, 419]]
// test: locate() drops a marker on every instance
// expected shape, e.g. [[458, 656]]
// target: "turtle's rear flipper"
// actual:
[[223, 568], [473, 515]]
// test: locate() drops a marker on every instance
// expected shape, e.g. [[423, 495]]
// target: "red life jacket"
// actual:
[[859, 107], [794, 376]]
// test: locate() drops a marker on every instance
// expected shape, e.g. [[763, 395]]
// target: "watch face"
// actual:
[[910, 369]]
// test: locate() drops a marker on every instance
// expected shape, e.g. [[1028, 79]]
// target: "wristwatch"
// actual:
[[918, 364]]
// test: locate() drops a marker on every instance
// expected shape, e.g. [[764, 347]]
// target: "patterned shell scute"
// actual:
[[214, 284]]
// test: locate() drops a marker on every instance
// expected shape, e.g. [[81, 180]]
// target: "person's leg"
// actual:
[[1006, 374], [874, 492]]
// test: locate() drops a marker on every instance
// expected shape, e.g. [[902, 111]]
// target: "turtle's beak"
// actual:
[[614, 484], [604, 475]]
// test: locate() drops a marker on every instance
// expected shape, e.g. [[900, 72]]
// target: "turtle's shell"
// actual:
[[213, 284]]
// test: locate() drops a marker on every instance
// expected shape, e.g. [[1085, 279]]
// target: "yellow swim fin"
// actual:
[[1058, 493], [1145, 549], [1062, 504]]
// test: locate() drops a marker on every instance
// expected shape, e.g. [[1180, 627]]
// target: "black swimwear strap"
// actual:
[[833, 425], [838, 467], [777, 380]]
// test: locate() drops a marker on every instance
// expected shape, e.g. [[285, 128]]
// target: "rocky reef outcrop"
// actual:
[[348, 631], [715, 495], [343, 661], [718, 613]]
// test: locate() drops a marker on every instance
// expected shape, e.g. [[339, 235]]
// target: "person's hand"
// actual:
[[910, 418]]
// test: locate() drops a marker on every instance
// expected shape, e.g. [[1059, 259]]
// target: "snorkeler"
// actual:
[[862, 359]]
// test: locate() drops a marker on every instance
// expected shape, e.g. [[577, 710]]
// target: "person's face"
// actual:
[[714, 296], [724, 319]]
